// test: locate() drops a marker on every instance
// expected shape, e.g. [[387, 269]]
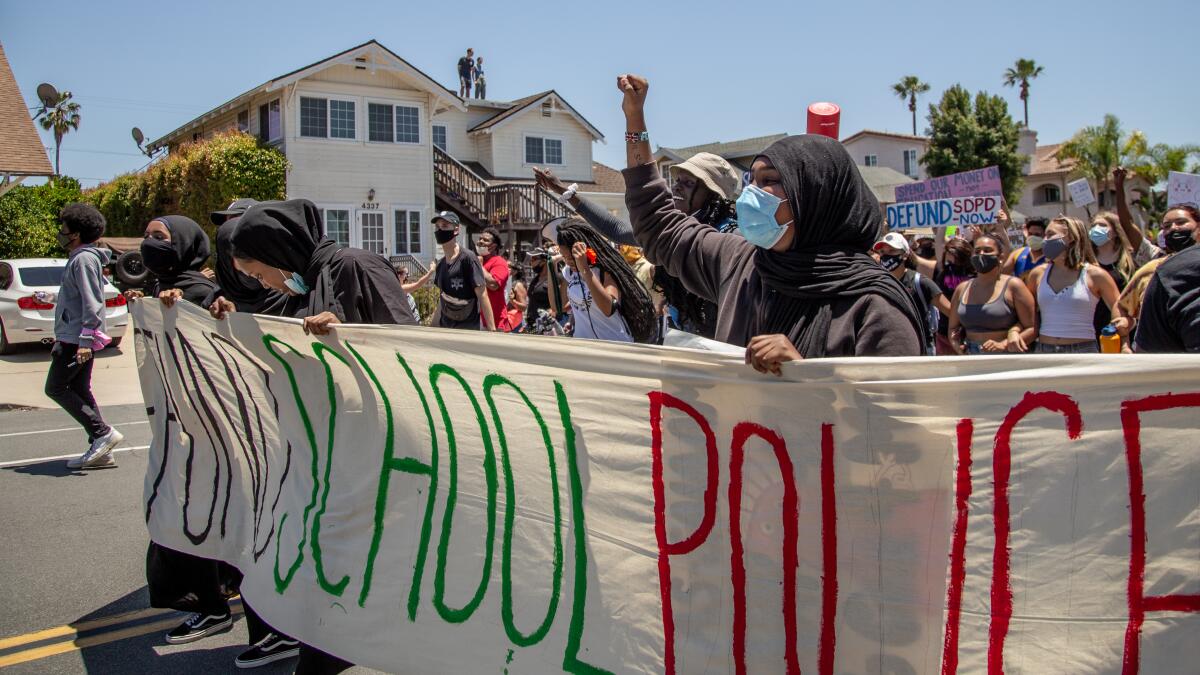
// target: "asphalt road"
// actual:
[[72, 558]]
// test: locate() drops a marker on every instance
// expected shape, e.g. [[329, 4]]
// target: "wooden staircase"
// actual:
[[521, 206]]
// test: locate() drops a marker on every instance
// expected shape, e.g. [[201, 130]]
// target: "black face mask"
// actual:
[[159, 256], [927, 252], [984, 262], [64, 240], [1177, 240], [443, 236], [891, 262]]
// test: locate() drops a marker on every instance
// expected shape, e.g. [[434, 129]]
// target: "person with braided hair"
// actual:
[[607, 300]]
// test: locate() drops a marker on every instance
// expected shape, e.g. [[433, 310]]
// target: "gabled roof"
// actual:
[[521, 105], [21, 150], [885, 134], [1045, 162], [728, 149], [386, 59], [883, 181]]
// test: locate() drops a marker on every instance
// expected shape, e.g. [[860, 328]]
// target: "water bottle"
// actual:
[[1110, 342]]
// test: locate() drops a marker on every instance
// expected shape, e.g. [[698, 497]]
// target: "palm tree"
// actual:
[[1097, 150], [62, 118], [1024, 71], [907, 88]]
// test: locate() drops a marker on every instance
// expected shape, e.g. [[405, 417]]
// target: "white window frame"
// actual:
[[422, 226], [545, 137], [356, 238], [349, 208], [871, 160], [358, 108], [277, 137], [426, 133], [916, 171], [238, 121], [432, 127]]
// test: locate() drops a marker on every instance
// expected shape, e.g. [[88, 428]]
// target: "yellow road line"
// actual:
[[79, 627], [65, 646]]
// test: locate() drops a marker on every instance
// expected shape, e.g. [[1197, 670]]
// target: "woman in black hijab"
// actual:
[[239, 292], [175, 249], [798, 283], [274, 244]]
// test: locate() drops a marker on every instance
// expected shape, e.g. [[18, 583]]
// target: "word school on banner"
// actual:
[[419, 500], [959, 211], [977, 183]]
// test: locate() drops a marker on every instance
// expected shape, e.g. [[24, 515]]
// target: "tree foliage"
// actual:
[[907, 89], [1020, 74], [61, 118], [966, 136], [193, 181], [29, 218]]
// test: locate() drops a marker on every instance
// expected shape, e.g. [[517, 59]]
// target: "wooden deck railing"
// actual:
[[521, 204]]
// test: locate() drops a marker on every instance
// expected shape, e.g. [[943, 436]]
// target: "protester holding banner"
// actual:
[[992, 314], [798, 282], [237, 292], [607, 300], [274, 244], [175, 249], [1068, 290]]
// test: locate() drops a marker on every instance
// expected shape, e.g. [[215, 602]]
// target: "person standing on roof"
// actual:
[[466, 64]]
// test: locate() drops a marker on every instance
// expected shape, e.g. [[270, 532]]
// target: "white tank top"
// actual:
[[590, 322], [1068, 313]]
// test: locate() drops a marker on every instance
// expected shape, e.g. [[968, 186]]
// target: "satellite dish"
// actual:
[[48, 94], [138, 137]]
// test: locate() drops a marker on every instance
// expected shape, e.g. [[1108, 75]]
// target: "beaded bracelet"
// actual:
[[636, 136]]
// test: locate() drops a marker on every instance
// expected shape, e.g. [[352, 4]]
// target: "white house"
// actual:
[[899, 152], [380, 147]]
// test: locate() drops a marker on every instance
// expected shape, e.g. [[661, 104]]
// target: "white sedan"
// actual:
[[27, 287]]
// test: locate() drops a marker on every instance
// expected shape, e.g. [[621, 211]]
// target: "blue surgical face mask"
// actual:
[[756, 217], [1099, 235], [295, 284]]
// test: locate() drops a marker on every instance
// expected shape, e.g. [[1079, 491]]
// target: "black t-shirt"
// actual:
[[1170, 320], [458, 280], [1103, 314], [464, 66]]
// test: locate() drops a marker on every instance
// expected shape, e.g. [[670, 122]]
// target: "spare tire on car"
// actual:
[[130, 269]]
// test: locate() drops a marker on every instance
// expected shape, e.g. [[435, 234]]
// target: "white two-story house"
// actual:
[[380, 147]]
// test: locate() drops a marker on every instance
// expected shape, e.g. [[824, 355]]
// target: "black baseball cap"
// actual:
[[448, 216], [237, 208]]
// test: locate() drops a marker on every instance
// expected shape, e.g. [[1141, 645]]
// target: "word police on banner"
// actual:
[[422, 500], [977, 183], [958, 211]]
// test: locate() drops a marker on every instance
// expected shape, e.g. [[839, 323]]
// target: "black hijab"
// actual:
[[245, 293], [190, 246], [287, 235], [837, 220]]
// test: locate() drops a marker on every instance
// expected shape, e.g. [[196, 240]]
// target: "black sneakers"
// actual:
[[274, 647], [198, 626]]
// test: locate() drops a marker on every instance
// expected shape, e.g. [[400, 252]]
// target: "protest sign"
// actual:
[[1081, 192], [977, 183], [958, 211], [1183, 188], [421, 500]]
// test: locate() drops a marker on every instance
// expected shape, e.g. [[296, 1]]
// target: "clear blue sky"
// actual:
[[718, 71]]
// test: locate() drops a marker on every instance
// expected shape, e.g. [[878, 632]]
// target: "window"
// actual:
[[871, 160], [6, 276], [371, 231], [408, 124], [379, 123], [543, 150], [910, 163], [42, 276], [341, 119], [1051, 194], [337, 226], [269, 128], [439, 137], [243, 122], [408, 232]]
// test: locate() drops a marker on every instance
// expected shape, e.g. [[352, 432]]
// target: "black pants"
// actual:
[[69, 384], [313, 661]]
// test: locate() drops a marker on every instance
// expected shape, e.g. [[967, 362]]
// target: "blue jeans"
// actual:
[[1089, 347]]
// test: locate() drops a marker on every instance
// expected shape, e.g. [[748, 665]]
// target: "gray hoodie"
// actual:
[[79, 312]]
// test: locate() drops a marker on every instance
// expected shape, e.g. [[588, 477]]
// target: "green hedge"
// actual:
[[29, 218], [193, 181]]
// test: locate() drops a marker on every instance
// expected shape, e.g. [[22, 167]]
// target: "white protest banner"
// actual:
[[1183, 188], [956, 211], [983, 182], [421, 500], [1081, 192]]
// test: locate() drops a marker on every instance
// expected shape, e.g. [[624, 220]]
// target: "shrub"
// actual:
[[29, 218], [427, 300]]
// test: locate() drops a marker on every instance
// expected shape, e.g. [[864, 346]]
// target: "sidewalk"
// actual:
[[23, 376]]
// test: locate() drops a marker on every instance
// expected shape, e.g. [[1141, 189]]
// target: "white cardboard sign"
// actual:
[[1081, 192]]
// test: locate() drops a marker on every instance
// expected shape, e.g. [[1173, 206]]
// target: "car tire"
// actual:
[[5, 346], [131, 270]]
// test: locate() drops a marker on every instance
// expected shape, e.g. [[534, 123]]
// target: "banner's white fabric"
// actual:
[[423, 500]]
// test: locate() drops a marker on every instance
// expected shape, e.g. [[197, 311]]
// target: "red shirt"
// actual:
[[497, 266]]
